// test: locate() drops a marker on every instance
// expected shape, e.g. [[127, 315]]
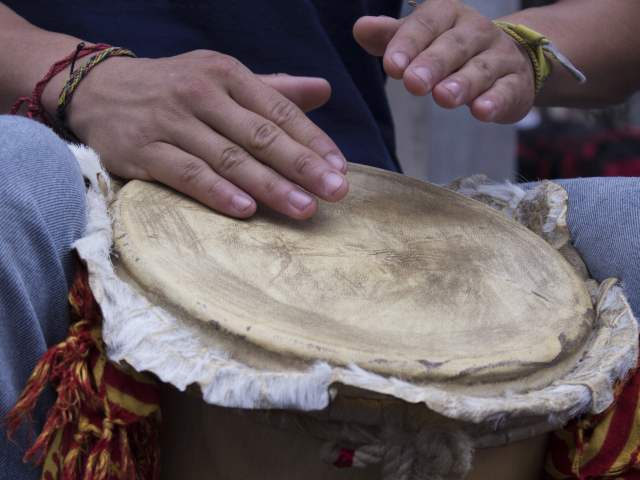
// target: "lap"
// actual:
[[604, 220], [41, 214]]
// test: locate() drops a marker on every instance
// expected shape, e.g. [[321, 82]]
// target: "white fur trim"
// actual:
[[149, 338]]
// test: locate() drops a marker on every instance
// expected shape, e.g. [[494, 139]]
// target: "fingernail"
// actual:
[[490, 106], [299, 200], [424, 74], [400, 59], [454, 88], [332, 182], [336, 161], [241, 202]]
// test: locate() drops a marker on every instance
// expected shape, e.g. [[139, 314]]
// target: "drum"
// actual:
[[401, 332]]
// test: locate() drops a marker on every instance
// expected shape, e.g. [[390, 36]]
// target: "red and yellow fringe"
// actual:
[[603, 446], [105, 422]]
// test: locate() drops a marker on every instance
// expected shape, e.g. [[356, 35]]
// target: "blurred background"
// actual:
[[440, 145]]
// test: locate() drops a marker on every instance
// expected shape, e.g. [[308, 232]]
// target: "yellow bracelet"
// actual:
[[536, 45]]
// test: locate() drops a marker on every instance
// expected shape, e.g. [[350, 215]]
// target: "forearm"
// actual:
[[26, 54], [600, 38]]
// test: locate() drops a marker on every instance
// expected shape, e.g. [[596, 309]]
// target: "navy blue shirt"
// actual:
[[298, 37]]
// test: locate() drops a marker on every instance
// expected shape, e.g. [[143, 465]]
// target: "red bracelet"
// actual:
[[35, 106]]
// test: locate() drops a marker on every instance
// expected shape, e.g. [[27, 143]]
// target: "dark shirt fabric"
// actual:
[[302, 37]]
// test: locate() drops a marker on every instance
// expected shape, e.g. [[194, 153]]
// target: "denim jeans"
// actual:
[[603, 217], [42, 212]]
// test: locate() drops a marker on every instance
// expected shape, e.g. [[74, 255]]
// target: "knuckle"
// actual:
[[232, 158], [140, 135], [214, 188], [271, 184], [171, 112], [437, 65], [468, 11], [458, 42], [427, 23], [283, 112], [508, 91], [190, 171], [508, 46], [225, 66], [483, 68], [264, 136], [488, 28], [201, 54], [190, 87], [304, 164]]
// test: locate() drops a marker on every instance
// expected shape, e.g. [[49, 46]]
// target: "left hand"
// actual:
[[450, 49]]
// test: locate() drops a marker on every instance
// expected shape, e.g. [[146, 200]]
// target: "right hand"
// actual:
[[205, 125], [452, 50]]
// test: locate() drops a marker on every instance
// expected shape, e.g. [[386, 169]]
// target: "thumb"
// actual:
[[307, 93], [374, 33]]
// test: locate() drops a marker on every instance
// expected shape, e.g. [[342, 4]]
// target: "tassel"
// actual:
[[105, 422]]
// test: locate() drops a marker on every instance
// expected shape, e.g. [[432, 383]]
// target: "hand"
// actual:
[[205, 125], [451, 50]]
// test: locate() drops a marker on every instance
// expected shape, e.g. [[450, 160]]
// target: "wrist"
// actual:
[[36, 107], [73, 83], [52, 91], [537, 46]]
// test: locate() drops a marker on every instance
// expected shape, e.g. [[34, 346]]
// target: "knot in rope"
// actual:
[[408, 449]]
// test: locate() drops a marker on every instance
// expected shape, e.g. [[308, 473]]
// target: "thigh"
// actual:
[[604, 220], [42, 213]]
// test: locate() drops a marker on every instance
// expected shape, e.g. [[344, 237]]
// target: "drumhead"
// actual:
[[402, 278]]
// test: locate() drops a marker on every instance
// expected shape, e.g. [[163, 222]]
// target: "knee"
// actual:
[[36, 164], [604, 220], [41, 185], [28, 147], [610, 204]]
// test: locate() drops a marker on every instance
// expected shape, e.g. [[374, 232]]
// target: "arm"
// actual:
[[468, 60], [600, 38], [26, 53], [200, 122]]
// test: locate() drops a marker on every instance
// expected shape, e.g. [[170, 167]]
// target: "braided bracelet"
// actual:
[[536, 45], [74, 79], [35, 105]]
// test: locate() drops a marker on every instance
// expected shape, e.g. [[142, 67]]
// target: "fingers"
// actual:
[[417, 32], [267, 103], [487, 76], [256, 139], [193, 177], [274, 132], [308, 93], [466, 45], [253, 143], [239, 167], [202, 123], [503, 102], [451, 50], [375, 33], [497, 83]]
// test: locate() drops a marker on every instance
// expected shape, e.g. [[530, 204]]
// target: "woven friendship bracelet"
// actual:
[[536, 45], [35, 105], [75, 78]]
